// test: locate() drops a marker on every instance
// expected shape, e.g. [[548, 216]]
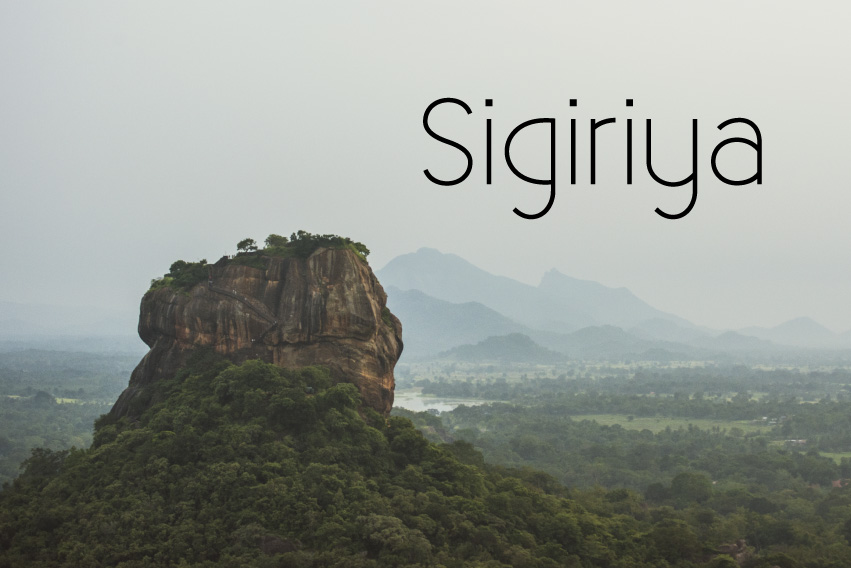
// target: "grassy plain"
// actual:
[[836, 456]]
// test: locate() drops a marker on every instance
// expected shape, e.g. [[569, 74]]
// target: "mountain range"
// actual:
[[559, 303], [801, 332], [445, 301]]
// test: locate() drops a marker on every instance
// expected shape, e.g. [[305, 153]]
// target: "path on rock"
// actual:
[[262, 313]]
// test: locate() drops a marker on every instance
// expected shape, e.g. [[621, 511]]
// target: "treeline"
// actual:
[[710, 382], [718, 380], [825, 425], [563, 397], [584, 453], [183, 275]]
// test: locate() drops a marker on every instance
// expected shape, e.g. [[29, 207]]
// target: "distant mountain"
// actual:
[[445, 301], [430, 326], [451, 278], [607, 341], [732, 341], [560, 303], [514, 348], [668, 330], [610, 306], [801, 332]]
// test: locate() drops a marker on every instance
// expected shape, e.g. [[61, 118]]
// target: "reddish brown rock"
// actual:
[[328, 309]]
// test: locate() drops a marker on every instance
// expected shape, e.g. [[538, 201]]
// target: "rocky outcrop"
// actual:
[[738, 551], [328, 309]]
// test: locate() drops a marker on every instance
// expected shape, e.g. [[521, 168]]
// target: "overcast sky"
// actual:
[[131, 136]]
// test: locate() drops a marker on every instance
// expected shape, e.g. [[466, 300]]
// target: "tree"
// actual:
[[274, 240], [656, 492], [246, 245], [42, 398], [689, 486], [675, 540]]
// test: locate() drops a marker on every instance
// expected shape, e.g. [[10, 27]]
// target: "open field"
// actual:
[[836, 456]]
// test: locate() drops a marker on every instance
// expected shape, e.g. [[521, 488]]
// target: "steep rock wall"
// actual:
[[328, 309]]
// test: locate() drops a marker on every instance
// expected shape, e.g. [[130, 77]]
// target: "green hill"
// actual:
[[254, 465], [514, 347]]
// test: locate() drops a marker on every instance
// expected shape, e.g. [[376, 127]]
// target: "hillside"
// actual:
[[801, 332], [433, 325], [512, 348], [610, 306], [255, 465]]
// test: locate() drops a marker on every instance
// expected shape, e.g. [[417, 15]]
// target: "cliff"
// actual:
[[327, 309]]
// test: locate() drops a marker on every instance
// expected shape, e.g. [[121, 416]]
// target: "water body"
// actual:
[[413, 399]]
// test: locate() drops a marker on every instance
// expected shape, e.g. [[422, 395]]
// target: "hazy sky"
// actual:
[[131, 136]]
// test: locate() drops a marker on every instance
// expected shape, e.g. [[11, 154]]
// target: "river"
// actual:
[[413, 399]]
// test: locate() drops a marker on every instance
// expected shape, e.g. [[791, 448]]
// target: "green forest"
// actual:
[[755, 455], [241, 465], [569, 464]]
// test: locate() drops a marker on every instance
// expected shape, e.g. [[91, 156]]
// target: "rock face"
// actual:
[[328, 309]]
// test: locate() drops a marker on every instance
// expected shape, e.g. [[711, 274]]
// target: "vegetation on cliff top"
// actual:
[[184, 275], [302, 244]]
